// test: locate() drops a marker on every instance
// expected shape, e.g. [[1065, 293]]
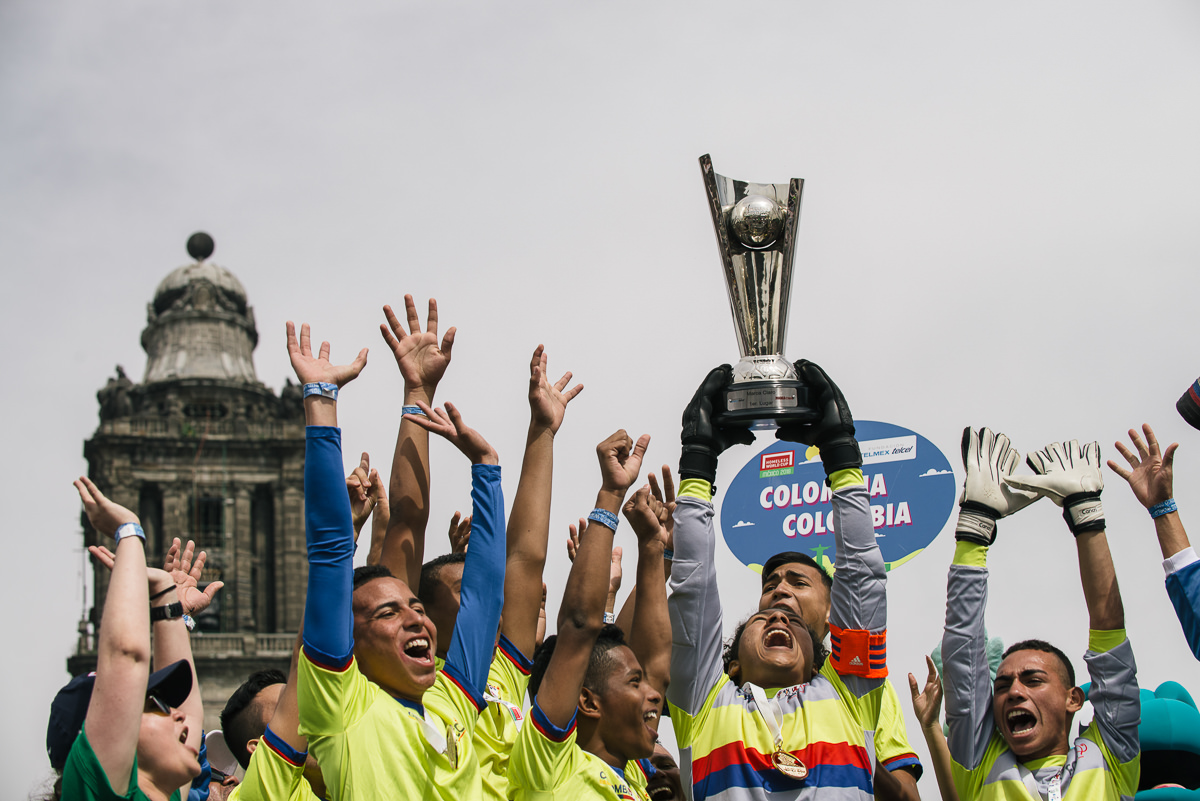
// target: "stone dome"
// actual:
[[199, 324], [175, 285]]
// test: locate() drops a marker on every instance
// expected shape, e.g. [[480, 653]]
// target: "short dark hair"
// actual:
[[733, 643], [599, 664], [367, 573], [1045, 647], [787, 558], [431, 571], [244, 716]]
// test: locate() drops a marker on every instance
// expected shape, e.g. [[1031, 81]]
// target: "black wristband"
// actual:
[[698, 462], [840, 454], [168, 612]]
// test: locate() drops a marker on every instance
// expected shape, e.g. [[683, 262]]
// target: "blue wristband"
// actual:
[[604, 518], [668, 553], [324, 390], [129, 530], [1164, 508], [413, 410]]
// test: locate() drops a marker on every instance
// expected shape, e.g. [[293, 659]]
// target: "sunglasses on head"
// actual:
[[156, 706]]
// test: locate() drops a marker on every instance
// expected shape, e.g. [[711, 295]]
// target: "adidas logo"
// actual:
[[856, 661]]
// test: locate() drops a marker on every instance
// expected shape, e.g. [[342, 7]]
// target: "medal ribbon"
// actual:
[[432, 735], [513, 709], [769, 710], [1053, 790]]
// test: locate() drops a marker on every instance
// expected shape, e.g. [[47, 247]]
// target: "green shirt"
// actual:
[[84, 779]]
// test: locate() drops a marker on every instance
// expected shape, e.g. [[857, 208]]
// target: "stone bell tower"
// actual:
[[202, 450]]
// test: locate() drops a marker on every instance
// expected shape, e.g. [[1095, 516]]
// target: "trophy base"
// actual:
[[766, 403]]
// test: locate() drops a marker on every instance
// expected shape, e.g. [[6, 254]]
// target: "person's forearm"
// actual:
[[329, 533], [171, 644], [381, 515], [528, 534], [403, 548], [1100, 590], [124, 629], [285, 721], [482, 593], [587, 587], [650, 631], [858, 599], [1171, 537], [695, 601], [965, 678], [939, 753]]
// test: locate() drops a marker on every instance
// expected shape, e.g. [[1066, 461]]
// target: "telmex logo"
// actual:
[[774, 461]]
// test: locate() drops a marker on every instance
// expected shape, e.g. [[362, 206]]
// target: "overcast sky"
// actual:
[[999, 228]]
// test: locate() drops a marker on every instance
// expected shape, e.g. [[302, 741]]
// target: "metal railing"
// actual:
[[223, 645]]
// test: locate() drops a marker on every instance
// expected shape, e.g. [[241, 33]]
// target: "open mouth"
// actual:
[[659, 788], [1020, 722], [417, 649], [778, 638]]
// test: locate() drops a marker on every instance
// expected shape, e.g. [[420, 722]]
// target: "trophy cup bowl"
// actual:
[[756, 236]]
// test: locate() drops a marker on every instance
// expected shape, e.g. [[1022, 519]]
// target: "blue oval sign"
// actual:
[[779, 500]]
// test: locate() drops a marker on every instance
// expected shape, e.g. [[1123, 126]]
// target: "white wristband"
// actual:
[[129, 530]]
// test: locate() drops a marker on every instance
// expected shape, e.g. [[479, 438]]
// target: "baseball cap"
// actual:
[[171, 685]]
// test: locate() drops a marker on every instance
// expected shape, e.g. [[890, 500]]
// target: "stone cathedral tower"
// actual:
[[202, 450]]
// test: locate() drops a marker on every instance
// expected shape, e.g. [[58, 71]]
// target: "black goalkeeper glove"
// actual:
[[702, 439], [833, 434]]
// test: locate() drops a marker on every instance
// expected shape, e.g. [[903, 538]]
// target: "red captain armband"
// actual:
[[858, 652]]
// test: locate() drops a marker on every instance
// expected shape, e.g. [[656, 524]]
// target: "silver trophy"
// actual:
[[756, 234]]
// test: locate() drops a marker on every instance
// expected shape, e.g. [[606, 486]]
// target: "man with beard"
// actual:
[[1012, 741], [770, 724]]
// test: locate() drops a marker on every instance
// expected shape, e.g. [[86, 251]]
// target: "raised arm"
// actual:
[[580, 616], [989, 460], [1151, 477], [695, 603], [482, 593], [650, 630], [927, 706], [368, 499], [329, 528], [529, 522], [123, 651], [422, 362]]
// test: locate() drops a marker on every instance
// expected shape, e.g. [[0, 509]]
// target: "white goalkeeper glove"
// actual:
[[1070, 476], [989, 459]]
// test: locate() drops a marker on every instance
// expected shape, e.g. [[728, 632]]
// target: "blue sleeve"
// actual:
[[199, 789], [482, 594], [329, 531], [1183, 586]]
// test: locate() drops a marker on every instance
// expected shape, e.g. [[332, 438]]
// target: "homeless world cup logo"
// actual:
[[779, 500]]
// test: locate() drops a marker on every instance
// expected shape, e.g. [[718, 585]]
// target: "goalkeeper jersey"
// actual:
[[725, 743], [1104, 762]]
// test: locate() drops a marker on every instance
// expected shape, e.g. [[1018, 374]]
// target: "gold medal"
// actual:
[[789, 765]]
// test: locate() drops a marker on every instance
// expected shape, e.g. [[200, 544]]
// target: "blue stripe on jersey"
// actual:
[[289, 754], [772, 781], [547, 728]]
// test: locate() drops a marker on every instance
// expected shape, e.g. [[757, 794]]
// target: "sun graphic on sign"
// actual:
[[812, 453]]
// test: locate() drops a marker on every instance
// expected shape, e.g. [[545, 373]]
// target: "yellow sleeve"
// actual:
[[892, 749], [331, 701], [271, 776], [544, 756]]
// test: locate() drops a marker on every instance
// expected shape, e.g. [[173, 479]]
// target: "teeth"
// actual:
[[651, 715]]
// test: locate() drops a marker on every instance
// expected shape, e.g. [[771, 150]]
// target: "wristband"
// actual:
[[190, 622], [321, 388], [168, 612], [604, 518], [668, 553], [609, 617], [129, 530], [161, 593], [1164, 508], [413, 410]]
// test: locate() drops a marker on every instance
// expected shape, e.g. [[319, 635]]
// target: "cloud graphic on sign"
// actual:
[[932, 472], [742, 524]]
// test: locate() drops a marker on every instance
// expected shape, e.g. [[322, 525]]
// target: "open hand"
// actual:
[[460, 533], [421, 360], [1150, 472], [186, 574], [104, 515], [448, 423], [927, 704], [548, 402], [312, 370]]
